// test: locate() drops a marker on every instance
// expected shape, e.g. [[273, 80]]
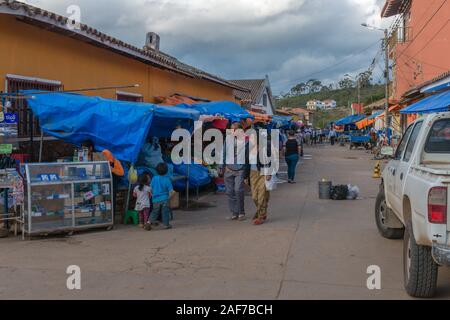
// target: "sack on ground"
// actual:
[[353, 192], [339, 192]]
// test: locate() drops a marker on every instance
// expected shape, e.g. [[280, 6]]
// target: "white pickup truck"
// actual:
[[413, 202]]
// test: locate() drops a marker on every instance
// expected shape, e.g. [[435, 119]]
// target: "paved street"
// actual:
[[310, 249]]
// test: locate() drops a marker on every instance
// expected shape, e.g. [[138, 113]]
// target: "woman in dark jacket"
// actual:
[[291, 154]]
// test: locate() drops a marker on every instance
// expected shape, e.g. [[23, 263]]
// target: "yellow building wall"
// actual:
[[30, 51]]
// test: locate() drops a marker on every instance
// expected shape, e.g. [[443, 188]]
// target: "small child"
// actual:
[[143, 193], [161, 189]]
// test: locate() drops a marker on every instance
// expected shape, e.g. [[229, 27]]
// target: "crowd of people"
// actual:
[[292, 143], [153, 193]]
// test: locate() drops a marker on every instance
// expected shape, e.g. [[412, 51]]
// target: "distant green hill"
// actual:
[[323, 117], [343, 97]]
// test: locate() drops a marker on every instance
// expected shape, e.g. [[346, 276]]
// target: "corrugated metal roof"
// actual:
[[41, 17]]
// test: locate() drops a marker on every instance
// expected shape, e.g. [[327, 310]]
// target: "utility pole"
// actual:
[[386, 77], [386, 72], [359, 90]]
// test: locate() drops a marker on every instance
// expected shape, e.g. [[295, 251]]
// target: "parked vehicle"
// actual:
[[413, 202], [359, 141]]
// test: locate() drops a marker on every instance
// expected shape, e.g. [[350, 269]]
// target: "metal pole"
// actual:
[[187, 186], [359, 91], [18, 95], [41, 142], [188, 174], [386, 76], [31, 128]]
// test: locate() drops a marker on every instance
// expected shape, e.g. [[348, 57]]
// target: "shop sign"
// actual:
[[6, 148], [8, 124]]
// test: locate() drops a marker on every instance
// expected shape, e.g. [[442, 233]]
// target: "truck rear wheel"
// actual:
[[381, 211], [419, 269]]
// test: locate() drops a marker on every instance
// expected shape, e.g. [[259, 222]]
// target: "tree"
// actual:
[[314, 85], [365, 79], [325, 89], [299, 89], [346, 82]]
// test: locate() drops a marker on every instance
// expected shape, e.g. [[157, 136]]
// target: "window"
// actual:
[[15, 84], [439, 138], [402, 144], [265, 100], [412, 142]]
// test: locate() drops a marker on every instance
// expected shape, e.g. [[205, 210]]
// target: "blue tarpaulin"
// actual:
[[350, 120], [198, 176], [121, 127], [436, 103], [226, 109], [376, 114], [281, 121]]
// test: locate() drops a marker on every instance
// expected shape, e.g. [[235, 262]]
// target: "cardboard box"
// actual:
[[98, 156], [79, 214], [175, 200]]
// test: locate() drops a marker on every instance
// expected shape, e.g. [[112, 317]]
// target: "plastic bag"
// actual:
[[132, 175], [353, 192], [271, 184]]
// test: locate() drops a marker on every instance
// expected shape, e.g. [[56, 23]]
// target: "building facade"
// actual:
[[39, 51], [419, 42], [259, 96], [329, 104], [314, 105]]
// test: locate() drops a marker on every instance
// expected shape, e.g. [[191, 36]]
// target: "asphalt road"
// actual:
[[309, 249]]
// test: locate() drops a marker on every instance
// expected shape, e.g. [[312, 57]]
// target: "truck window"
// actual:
[[402, 144], [439, 138], [412, 142]]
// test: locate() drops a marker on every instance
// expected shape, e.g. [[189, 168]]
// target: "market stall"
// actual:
[[123, 128], [346, 127], [132, 132]]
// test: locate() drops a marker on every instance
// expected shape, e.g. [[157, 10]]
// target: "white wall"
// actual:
[[269, 109]]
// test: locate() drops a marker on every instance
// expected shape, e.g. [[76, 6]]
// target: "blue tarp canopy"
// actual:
[[436, 103], [281, 121], [119, 126], [376, 114], [350, 120], [226, 109]]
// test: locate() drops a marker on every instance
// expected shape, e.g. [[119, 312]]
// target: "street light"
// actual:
[[386, 71]]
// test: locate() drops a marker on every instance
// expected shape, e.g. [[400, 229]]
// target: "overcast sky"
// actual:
[[246, 39]]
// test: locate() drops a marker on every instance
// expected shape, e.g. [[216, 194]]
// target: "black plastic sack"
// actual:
[[339, 192]]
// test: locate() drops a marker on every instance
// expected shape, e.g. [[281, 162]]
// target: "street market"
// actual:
[[129, 173]]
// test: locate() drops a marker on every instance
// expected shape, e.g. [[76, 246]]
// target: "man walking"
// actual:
[[235, 173], [332, 136]]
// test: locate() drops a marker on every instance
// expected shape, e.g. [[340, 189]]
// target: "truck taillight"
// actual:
[[437, 205]]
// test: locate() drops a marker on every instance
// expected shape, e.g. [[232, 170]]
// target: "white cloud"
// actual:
[[286, 39]]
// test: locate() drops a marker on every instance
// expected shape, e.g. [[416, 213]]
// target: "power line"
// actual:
[[306, 77], [434, 36], [423, 28], [422, 61]]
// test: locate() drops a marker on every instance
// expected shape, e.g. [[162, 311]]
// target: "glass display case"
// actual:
[[67, 196]]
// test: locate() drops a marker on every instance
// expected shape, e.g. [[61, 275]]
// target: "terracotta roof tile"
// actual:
[[156, 58], [255, 87]]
